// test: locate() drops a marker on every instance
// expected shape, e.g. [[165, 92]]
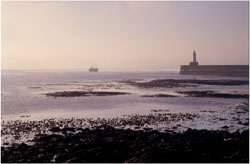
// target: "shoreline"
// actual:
[[157, 135], [234, 119]]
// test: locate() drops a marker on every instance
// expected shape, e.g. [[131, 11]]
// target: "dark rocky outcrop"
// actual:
[[83, 93], [212, 94], [107, 144], [159, 95], [181, 83]]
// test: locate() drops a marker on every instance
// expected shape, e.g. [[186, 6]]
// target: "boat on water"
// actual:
[[93, 69]]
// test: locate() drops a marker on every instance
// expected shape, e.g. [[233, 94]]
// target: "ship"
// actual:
[[93, 69], [226, 70]]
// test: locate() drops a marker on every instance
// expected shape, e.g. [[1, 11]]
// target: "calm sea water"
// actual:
[[23, 93]]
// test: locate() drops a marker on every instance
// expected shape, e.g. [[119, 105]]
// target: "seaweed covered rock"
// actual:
[[107, 144]]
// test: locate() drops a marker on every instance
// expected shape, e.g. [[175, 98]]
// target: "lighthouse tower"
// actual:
[[194, 63]]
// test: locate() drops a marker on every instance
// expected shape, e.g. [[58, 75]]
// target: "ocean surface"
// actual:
[[23, 94]]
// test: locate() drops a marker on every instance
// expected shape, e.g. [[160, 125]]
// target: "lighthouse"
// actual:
[[194, 57], [194, 63]]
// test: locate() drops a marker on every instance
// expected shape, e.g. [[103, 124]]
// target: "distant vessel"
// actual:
[[93, 69]]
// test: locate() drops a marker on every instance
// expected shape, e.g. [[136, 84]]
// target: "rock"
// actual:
[[56, 129], [225, 127], [107, 144]]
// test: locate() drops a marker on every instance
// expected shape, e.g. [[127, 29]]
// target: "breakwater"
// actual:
[[227, 70]]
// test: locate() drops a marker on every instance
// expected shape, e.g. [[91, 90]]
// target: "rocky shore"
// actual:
[[107, 144], [161, 136], [159, 95], [182, 83], [213, 94], [83, 93]]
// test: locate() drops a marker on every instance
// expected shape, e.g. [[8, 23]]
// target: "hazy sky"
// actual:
[[122, 35]]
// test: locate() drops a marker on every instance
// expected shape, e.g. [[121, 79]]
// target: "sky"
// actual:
[[123, 35]]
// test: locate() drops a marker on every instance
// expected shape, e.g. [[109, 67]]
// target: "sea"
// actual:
[[23, 94]]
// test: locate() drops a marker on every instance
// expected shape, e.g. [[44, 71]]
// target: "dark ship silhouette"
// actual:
[[93, 69]]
